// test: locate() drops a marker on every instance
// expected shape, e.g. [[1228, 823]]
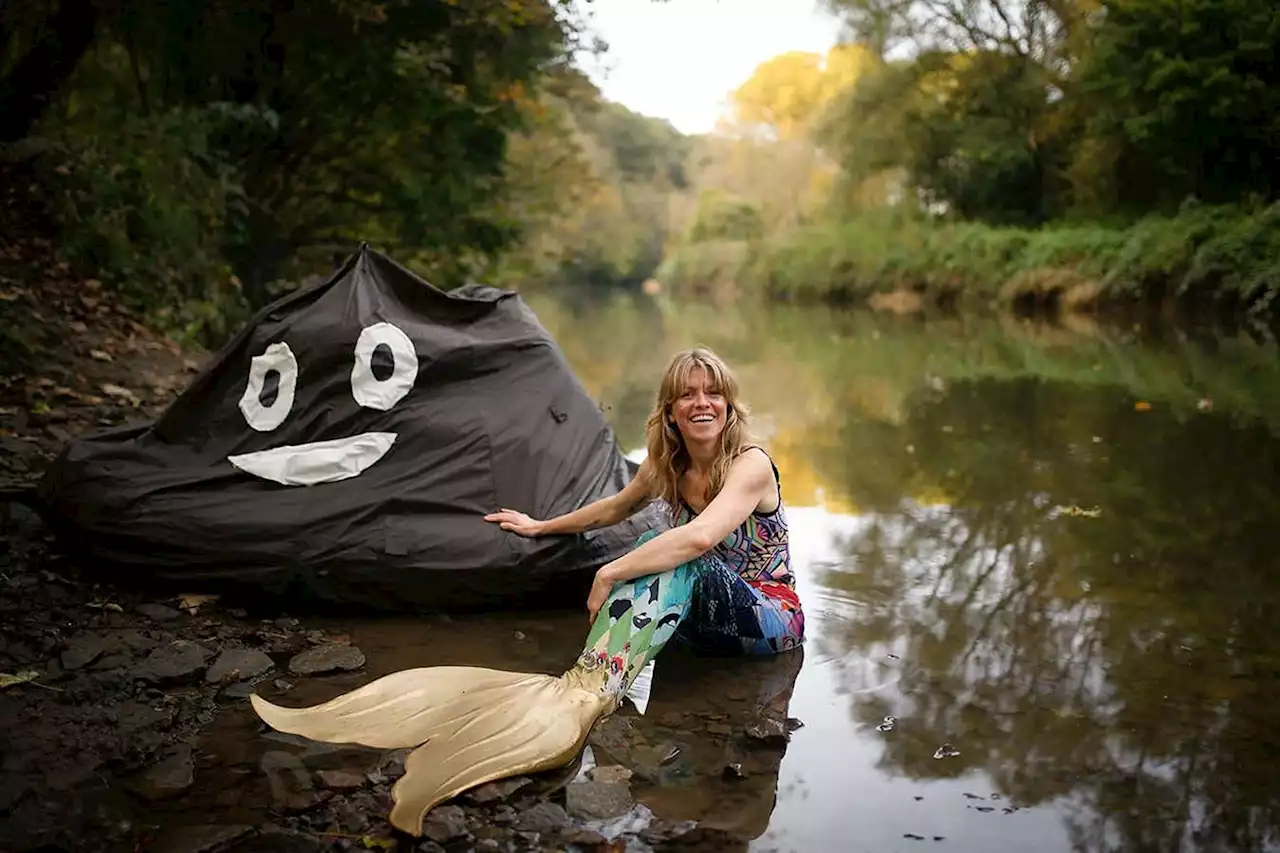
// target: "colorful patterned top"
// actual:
[[758, 549]]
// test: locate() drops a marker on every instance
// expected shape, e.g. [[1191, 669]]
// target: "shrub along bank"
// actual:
[[1205, 259], [1220, 261]]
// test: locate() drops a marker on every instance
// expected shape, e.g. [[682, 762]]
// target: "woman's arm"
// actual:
[[601, 513], [749, 481]]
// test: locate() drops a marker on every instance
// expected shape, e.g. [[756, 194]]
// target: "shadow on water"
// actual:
[[1044, 553]]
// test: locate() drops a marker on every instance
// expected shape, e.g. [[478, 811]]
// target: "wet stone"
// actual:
[[499, 790], [609, 773], [304, 801], [492, 837], [158, 612], [323, 659], [168, 778], [199, 839], [768, 729], [597, 800], [133, 716], [239, 690], [111, 662], [340, 780], [84, 649], [444, 823], [174, 661], [542, 817], [588, 838], [238, 665]]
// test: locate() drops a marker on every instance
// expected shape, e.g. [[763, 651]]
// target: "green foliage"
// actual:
[[1191, 90], [972, 131], [721, 217], [1226, 255], [1024, 113], [205, 144], [591, 188], [143, 208]]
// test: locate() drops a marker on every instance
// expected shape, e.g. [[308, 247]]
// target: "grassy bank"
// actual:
[[1219, 260]]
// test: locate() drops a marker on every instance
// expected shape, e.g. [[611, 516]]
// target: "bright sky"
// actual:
[[679, 60]]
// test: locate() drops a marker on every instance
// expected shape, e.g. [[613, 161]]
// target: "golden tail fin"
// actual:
[[474, 725]]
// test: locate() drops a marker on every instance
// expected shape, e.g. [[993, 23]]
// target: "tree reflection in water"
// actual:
[[1124, 663]]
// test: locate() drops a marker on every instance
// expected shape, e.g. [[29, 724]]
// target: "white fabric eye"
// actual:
[[268, 398], [386, 367]]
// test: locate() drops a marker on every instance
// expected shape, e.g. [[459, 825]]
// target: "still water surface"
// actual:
[[1047, 554]]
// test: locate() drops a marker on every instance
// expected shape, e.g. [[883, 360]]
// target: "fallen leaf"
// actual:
[[99, 355], [112, 390], [9, 680]]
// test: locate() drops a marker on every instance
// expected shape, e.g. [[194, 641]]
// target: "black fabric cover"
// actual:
[[495, 417]]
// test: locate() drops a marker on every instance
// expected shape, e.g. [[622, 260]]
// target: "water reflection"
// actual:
[[995, 546], [1120, 660], [1047, 548]]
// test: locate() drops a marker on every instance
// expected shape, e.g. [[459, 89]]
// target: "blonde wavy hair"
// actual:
[[668, 457]]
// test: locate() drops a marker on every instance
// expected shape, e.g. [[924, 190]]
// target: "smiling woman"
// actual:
[[724, 499]]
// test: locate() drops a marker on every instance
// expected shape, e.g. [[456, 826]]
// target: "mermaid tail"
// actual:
[[473, 725]]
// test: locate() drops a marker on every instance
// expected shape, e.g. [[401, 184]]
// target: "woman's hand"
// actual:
[[600, 589], [516, 522]]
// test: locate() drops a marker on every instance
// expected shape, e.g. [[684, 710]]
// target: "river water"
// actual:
[[1038, 565]]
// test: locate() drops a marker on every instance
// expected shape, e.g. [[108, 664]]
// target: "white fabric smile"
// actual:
[[318, 461]]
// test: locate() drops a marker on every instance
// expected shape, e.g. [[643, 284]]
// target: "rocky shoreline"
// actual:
[[124, 720], [108, 698]]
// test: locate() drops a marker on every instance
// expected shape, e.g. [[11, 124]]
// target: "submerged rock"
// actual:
[[168, 778]]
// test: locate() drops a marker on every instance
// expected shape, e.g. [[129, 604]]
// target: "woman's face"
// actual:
[[699, 408]]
